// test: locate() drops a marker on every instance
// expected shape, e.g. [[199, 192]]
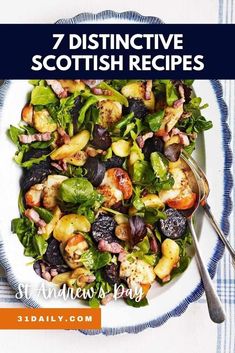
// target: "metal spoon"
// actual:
[[203, 180], [215, 308]]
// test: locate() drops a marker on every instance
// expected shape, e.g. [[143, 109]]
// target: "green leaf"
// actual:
[[155, 120], [135, 304], [171, 93], [34, 244], [43, 95], [124, 121], [188, 82], [40, 244], [94, 302], [116, 96], [94, 259], [89, 102], [21, 202], [13, 133], [44, 214]]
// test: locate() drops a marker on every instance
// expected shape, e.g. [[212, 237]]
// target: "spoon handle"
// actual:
[[215, 308], [219, 232]]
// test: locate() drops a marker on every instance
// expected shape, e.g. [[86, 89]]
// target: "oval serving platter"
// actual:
[[213, 154]]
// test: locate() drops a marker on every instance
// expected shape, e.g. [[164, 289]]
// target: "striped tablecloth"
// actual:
[[225, 278]]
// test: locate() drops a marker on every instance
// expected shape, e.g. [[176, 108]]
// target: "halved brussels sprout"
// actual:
[[110, 112], [43, 122]]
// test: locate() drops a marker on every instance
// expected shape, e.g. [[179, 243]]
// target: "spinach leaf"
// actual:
[[35, 245], [13, 133], [76, 190], [44, 214], [155, 120], [42, 95], [94, 259], [135, 304]]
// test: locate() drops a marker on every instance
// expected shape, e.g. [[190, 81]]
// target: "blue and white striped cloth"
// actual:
[[225, 277]]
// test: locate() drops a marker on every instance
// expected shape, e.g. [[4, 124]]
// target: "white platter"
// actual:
[[164, 302]]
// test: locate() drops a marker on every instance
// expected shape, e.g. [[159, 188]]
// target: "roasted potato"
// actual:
[[70, 224]]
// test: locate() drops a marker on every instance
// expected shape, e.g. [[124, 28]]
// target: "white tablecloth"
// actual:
[[193, 332]]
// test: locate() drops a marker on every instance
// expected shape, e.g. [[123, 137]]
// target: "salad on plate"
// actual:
[[104, 193]]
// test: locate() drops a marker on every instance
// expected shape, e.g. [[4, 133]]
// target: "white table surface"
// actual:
[[193, 332]]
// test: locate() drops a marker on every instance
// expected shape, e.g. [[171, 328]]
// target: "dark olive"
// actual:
[[103, 228], [114, 162], [111, 274], [41, 264], [173, 151], [174, 226], [95, 170], [53, 255], [137, 107], [154, 144], [101, 138]]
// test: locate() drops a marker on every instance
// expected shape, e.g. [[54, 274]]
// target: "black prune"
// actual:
[[174, 226], [95, 170], [114, 162], [137, 107], [104, 228], [101, 138], [111, 274], [53, 255], [154, 144], [172, 152]]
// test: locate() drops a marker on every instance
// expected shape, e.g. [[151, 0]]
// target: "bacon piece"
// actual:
[[107, 299], [153, 245], [142, 138], [148, 89], [184, 140], [178, 103], [64, 136], [46, 136], [113, 247], [57, 88], [99, 91], [31, 214], [122, 256], [91, 83], [87, 278]]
